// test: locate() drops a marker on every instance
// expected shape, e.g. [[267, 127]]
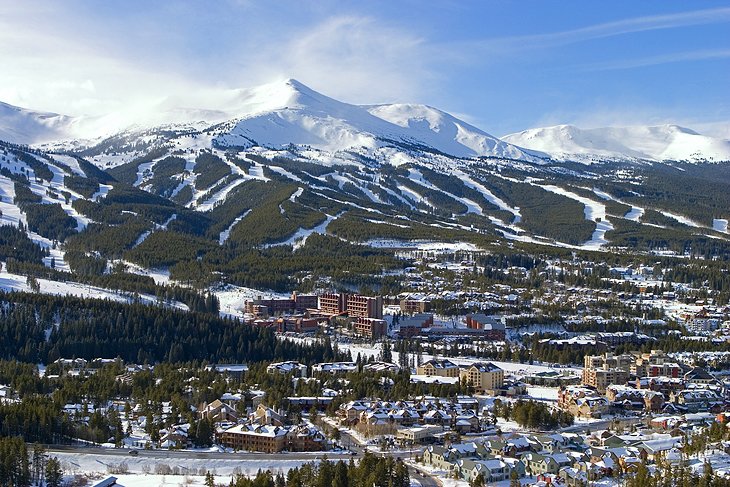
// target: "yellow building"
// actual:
[[483, 376], [440, 368]]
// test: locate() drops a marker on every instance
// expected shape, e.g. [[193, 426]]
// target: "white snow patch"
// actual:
[[592, 210], [681, 219], [488, 195], [101, 192], [227, 232], [425, 245], [720, 225], [300, 236], [16, 282]]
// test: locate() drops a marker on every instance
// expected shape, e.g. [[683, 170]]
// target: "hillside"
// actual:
[[301, 191]]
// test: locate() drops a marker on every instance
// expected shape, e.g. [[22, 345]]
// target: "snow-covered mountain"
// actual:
[[288, 112], [654, 143], [23, 126]]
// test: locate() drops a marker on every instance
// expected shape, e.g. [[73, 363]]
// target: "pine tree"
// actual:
[[54, 474], [209, 479]]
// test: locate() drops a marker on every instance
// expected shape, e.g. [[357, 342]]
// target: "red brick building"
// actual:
[[373, 328], [493, 329]]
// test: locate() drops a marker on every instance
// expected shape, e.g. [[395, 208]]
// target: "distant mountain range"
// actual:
[[287, 112], [652, 143]]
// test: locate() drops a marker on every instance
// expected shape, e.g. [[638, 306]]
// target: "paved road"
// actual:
[[423, 479]]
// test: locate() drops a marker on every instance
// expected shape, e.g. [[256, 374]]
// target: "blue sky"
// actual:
[[504, 66]]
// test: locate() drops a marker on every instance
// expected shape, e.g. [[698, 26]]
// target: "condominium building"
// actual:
[[333, 303], [372, 328], [602, 378], [364, 306], [483, 376], [355, 305], [441, 368]]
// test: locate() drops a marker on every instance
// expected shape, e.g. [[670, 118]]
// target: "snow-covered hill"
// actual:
[[654, 143], [22, 126]]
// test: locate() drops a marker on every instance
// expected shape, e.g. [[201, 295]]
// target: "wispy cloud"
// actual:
[[356, 58], [679, 57], [609, 29]]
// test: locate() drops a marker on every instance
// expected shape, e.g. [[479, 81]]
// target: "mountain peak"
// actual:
[[297, 85]]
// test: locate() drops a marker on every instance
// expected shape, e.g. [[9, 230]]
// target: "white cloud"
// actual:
[[57, 67], [607, 29], [357, 59]]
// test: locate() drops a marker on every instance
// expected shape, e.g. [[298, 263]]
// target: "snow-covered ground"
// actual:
[[593, 211], [634, 214], [302, 234], [102, 192], [137, 465], [417, 176], [227, 232], [488, 195], [219, 196], [426, 245], [658, 143], [232, 298], [720, 225], [681, 219], [15, 282]]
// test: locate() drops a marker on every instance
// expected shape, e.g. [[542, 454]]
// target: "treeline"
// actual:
[[117, 279], [90, 328], [167, 176], [15, 465], [678, 475], [371, 471], [84, 186], [127, 172], [22, 467], [532, 414], [40, 169], [543, 212], [210, 169], [36, 419], [15, 244]]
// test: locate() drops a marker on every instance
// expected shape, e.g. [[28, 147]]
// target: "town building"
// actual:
[[414, 306], [602, 378], [265, 432], [297, 303], [364, 306], [290, 367], [334, 368], [413, 325], [354, 305], [582, 401], [372, 328], [483, 377], [441, 368], [493, 329], [333, 303]]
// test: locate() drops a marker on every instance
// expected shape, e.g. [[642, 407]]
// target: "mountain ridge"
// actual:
[[639, 142], [285, 112]]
